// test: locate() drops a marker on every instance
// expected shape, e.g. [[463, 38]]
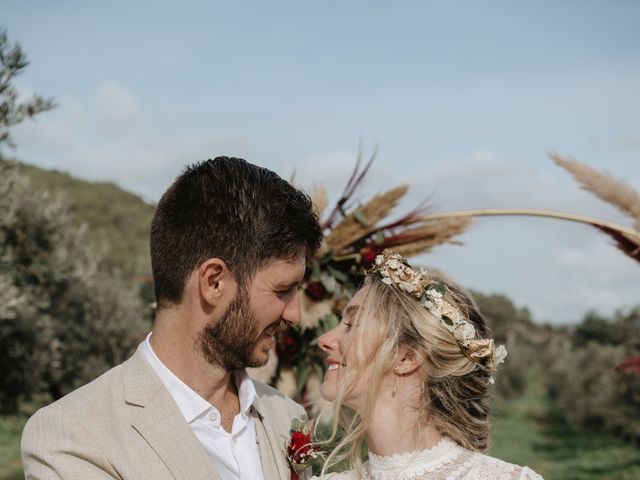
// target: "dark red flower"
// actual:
[[629, 365], [315, 291], [369, 253], [288, 346], [299, 446]]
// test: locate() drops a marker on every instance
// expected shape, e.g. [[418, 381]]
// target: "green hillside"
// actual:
[[118, 220]]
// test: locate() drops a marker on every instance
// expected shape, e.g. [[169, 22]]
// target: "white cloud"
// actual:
[[110, 142], [595, 277], [629, 141], [116, 108]]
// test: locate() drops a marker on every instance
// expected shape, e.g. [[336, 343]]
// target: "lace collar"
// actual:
[[409, 465]]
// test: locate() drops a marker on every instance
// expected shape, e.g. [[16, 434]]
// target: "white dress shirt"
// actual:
[[236, 455]]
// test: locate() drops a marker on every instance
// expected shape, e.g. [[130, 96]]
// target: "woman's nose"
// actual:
[[328, 340]]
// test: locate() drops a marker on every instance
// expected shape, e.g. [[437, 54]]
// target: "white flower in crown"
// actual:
[[464, 332], [499, 355], [434, 294], [407, 287], [394, 264]]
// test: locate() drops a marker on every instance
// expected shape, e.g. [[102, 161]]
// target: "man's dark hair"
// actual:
[[229, 209]]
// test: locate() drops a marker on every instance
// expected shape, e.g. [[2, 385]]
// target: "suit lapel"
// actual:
[[162, 425], [272, 445]]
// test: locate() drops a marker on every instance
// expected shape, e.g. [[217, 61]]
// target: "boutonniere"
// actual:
[[301, 451]]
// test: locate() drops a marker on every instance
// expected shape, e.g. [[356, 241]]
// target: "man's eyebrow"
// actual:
[[287, 286]]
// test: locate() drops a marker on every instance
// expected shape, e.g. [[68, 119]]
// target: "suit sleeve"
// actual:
[[57, 446]]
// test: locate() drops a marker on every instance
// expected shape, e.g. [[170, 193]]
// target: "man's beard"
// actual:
[[231, 341]]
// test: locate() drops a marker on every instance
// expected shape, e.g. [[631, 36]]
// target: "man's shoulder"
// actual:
[[87, 397], [275, 400]]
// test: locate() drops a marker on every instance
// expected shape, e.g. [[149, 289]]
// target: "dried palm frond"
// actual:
[[423, 238], [354, 181], [319, 199], [627, 243], [364, 219], [626, 239], [603, 185]]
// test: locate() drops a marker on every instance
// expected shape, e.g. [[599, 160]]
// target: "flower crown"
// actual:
[[394, 270]]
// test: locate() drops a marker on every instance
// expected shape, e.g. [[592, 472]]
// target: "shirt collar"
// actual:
[[246, 390], [190, 403]]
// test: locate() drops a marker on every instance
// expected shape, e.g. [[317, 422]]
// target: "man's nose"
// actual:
[[291, 313]]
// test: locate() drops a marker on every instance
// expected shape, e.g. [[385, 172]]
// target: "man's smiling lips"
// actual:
[[273, 329]]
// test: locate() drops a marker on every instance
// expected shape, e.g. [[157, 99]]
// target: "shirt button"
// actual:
[[213, 416]]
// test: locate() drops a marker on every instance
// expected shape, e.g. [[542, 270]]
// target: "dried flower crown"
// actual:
[[394, 270]]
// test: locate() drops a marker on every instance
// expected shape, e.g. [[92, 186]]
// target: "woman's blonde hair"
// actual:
[[455, 389]]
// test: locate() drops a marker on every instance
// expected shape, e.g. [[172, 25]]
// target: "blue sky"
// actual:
[[463, 98]]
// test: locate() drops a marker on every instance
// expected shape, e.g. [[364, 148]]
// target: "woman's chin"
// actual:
[[327, 392]]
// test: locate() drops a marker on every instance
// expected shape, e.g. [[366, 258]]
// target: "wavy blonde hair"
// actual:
[[455, 389]]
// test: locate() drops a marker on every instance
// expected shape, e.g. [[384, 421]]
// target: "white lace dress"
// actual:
[[444, 461]]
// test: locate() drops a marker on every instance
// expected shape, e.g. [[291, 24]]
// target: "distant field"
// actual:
[[524, 433], [10, 429], [527, 433]]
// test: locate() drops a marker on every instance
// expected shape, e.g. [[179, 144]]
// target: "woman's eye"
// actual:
[[347, 325]]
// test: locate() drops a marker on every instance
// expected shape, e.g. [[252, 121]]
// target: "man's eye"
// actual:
[[284, 293]]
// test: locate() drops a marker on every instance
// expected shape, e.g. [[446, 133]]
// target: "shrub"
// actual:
[[64, 318]]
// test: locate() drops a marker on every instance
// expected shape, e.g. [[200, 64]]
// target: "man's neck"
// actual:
[[177, 350]]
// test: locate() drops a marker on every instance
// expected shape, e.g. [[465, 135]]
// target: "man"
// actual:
[[228, 245]]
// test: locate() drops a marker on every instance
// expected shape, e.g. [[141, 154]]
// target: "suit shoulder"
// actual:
[[55, 444], [276, 399], [84, 397]]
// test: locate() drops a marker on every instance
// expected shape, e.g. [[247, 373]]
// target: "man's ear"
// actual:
[[215, 281], [408, 363]]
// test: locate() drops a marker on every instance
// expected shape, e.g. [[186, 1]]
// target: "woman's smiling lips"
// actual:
[[334, 365]]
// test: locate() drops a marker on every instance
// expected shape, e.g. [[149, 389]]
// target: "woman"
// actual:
[[409, 369]]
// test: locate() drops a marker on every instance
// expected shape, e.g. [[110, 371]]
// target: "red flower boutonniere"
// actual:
[[301, 451]]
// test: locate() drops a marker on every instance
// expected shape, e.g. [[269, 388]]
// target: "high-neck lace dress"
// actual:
[[444, 461]]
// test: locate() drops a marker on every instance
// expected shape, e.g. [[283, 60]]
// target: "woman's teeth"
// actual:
[[334, 366]]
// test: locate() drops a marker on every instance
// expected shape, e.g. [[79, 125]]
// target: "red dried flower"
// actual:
[[629, 365], [299, 446], [288, 346], [301, 451], [316, 291], [369, 253]]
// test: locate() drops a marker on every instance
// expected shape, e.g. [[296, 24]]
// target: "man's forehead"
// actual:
[[284, 267]]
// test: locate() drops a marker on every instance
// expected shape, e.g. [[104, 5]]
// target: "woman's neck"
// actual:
[[395, 427]]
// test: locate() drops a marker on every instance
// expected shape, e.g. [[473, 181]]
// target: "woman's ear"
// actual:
[[215, 281], [409, 362]]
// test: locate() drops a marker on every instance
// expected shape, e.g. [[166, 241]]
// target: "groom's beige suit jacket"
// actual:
[[126, 425]]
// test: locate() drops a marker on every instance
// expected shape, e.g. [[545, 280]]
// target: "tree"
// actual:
[[65, 317], [13, 62]]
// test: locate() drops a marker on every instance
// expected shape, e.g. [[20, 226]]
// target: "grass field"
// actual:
[[525, 432], [10, 429]]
